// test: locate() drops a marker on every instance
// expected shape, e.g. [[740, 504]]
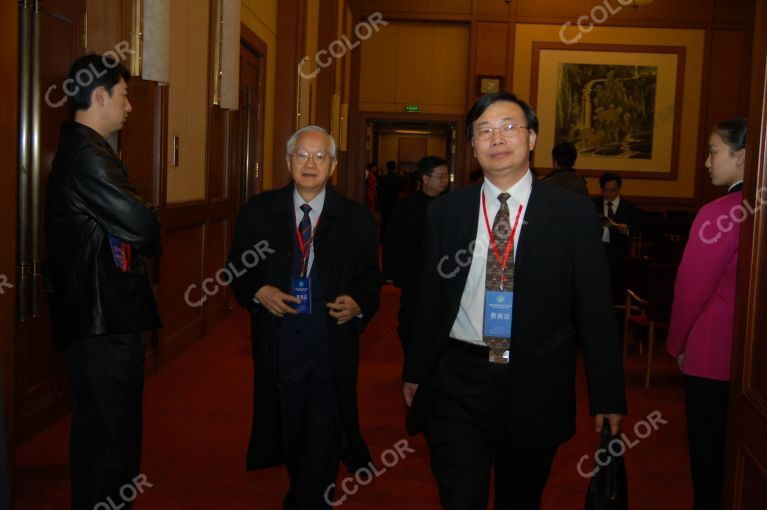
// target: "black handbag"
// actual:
[[608, 489]]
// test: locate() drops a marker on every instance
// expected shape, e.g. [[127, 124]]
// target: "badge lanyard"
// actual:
[[305, 250], [497, 253]]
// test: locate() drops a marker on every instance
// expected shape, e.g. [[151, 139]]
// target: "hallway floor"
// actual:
[[197, 420]]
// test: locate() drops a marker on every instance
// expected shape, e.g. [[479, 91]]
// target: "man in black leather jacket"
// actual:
[[98, 231]]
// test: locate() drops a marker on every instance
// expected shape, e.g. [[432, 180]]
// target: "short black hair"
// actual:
[[427, 165], [391, 165], [733, 133], [371, 166], [610, 176], [485, 101], [90, 72], [564, 154]]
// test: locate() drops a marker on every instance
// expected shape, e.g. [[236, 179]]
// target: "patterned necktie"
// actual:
[[493, 275], [610, 211], [305, 227]]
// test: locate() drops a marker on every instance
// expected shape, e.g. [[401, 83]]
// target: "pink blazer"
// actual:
[[702, 316]]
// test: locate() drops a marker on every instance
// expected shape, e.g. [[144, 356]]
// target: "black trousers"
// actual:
[[406, 317], [311, 427], [107, 374], [467, 430], [706, 409]]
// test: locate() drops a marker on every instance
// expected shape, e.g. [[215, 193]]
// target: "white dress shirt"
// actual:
[[606, 229], [314, 215], [468, 324]]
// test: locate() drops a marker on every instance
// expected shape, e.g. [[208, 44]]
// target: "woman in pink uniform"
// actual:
[[700, 333]]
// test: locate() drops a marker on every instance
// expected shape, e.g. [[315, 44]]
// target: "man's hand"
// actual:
[[622, 228], [680, 361], [344, 308], [614, 419], [276, 301], [408, 390]]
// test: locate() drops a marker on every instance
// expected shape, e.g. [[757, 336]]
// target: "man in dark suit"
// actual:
[[98, 230], [620, 221], [306, 263], [490, 372], [389, 187], [404, 239]]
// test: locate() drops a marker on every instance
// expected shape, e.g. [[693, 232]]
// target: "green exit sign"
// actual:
[[412, 108]]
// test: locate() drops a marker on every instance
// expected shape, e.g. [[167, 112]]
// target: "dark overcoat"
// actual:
[[346, 255]]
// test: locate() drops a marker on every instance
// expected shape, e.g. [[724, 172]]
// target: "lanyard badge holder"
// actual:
[[301, 286], [499, 304]]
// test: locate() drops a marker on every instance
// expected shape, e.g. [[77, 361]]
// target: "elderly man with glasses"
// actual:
[[513, 274], [310, 296]]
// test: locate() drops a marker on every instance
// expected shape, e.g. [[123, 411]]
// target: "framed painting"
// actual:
[[620, 105]]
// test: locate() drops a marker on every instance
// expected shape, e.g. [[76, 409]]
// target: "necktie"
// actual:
[[610, 211], [502, 235], [305, 228]]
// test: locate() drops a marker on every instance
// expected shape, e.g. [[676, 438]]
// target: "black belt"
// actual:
[[475, 349]]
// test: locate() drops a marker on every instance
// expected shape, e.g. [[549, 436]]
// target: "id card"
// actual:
[[120, 253], [302, 289], [498, 307]]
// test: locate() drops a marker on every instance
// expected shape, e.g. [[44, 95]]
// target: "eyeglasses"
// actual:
[[507, 130], [303, 157], [440, 177]]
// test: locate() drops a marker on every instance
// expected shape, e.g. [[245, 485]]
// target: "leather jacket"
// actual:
[[89, 197]]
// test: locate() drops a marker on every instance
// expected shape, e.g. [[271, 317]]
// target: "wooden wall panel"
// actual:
[[180, 267], [141, 141], [752, 489], [216, 254], [424, 6], [429, 68], [658, 13], [415, 46], [219, 124], [105, 24], [733, 12], [493, 7], [492, 48], [727, 70]]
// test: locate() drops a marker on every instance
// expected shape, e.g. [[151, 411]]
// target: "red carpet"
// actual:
[[197, 419]]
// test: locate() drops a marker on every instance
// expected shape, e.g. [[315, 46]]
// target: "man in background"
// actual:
[[563, 156], [389, 187], [310, 297], [405, 235], [98, 231], [620, 219]]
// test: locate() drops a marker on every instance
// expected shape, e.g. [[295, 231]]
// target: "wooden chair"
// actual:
[[648, 305]]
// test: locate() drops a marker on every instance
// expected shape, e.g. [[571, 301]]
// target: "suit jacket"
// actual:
[[566, 178], [561, 293], [703, 312], [89, 197], [627, 212], [404, 240], [346, 256]]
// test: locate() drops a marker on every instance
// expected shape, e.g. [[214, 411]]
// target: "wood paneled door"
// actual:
[[745, 484], [51, 38]]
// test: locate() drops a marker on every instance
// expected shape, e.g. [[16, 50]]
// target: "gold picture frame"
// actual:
[[619, 104]]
